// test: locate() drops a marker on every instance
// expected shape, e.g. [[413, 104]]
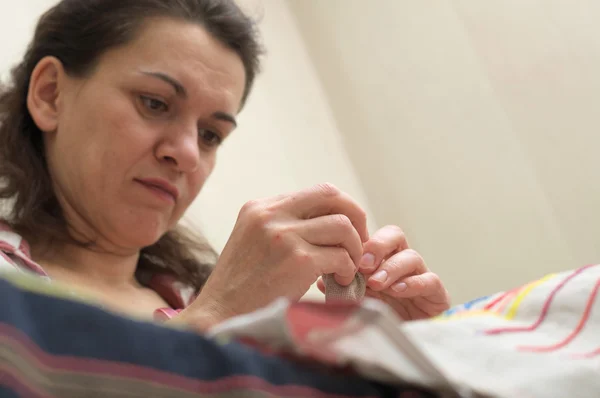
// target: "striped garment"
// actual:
[[54, 346]]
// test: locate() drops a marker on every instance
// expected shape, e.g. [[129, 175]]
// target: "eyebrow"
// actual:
[[182, 92], [226, 117], [178, 87]]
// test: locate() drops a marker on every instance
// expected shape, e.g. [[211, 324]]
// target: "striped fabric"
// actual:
[[54, 347]]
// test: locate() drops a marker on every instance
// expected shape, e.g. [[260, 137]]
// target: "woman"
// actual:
[[111, 126]]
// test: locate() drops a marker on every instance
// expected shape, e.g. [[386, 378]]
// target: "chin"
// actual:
[[145, 240], [141, 235]]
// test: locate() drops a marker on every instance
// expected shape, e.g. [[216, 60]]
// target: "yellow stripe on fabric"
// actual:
[[512, 311]]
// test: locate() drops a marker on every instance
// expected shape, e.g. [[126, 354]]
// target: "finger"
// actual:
[[399, 266], [326, 199], [334, 260], [384, 243], [332, 230], [428, 285]]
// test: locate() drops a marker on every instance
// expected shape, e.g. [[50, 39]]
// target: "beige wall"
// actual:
[[472, 124], [17, 20]]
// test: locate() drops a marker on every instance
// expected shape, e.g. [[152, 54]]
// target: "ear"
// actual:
[[43, 94]]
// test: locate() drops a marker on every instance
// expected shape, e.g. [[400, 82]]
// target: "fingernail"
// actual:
[[380, 276], [400, 287], [367, 261]]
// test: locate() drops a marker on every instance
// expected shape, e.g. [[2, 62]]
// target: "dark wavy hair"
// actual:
[[78, 32]]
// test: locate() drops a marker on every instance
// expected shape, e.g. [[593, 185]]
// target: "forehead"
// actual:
[[185, 51]]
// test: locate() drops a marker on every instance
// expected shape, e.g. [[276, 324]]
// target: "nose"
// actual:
[[180, 150]]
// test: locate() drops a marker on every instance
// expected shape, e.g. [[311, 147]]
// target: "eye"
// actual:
[[154, 105], [209, 138]]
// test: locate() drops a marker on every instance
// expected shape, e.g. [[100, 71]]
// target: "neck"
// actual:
[[101, 262], [90, 263]]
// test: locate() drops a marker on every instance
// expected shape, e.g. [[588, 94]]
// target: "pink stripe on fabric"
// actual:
[[10, 378], [545, 308], [578, 328], [586, 355], [498, 299]]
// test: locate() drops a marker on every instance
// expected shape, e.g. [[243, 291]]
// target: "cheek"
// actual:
[[123, 130], [94, 126], [121, 138], [104, 141]]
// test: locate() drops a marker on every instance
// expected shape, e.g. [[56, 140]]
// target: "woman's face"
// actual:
[[136, 140]]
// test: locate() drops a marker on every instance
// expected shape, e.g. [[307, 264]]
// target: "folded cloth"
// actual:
[[54, 346]]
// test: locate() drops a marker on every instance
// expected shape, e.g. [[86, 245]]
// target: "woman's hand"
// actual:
[[397, 275], [279, 247]]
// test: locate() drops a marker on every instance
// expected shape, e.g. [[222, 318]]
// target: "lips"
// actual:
[[161, 186]]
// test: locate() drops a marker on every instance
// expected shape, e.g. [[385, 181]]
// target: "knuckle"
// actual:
[[301, 257], [376, 242], [327, 190], [414, 254], [418, 282], [402, 241], [393, 266], [252, 210], [361, 214], [262, 218], [250, 206], [342, 221], [258, 213], [436, 281], [397, 233]]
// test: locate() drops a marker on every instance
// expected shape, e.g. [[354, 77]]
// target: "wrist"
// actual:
[[202, 315]]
